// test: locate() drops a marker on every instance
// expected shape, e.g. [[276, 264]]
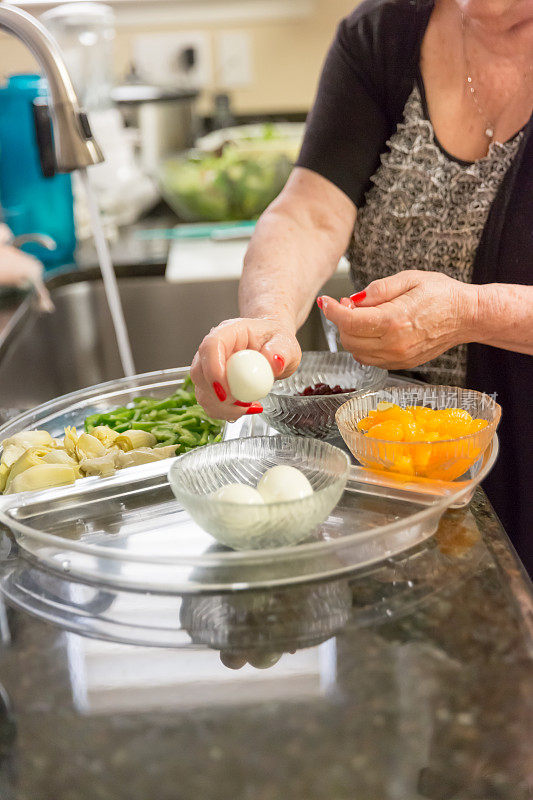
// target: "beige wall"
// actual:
[[287, 55]]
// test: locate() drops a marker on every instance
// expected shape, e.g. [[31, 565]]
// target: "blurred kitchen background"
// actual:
[[164, 83]]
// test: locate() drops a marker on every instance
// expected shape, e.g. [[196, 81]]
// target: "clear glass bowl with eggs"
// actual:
[[286, 410], [260, 492], [438, 457]]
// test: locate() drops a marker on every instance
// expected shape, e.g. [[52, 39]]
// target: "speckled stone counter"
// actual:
[[412, 680]]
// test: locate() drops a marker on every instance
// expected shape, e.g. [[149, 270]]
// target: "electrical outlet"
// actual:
[[181, 60], [234, 60]]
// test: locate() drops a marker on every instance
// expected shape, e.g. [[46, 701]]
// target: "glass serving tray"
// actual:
[[129, 532]]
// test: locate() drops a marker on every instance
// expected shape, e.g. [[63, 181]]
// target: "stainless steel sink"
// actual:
[[43, 356]]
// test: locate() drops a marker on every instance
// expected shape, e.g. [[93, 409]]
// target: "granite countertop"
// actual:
[[411, 680]]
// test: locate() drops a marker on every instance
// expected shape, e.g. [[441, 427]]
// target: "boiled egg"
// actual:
[[238, 493], [250, 376], [283, 483]]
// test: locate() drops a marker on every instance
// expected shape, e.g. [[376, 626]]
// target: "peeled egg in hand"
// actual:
[[250, 376], [282, 483], [238, 493]]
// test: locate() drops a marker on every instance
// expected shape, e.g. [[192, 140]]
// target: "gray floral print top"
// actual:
[[426, 210]]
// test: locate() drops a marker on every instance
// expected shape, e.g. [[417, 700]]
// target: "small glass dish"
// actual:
[[445, 459], [195, 476], [289, 412]]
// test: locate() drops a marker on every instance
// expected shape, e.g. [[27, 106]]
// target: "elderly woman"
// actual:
[[417, 160]]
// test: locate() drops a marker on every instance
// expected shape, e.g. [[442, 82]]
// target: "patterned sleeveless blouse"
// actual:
[[426, 210]]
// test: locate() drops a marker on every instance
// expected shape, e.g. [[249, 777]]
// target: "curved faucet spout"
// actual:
[[74, 145]]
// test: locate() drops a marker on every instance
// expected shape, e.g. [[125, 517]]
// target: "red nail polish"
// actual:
[[319, 302], [219, 391], [357, 297], [255, 408], [241, 405], [280, 363]]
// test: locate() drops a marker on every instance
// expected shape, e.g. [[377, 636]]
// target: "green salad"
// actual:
[[226, 187]]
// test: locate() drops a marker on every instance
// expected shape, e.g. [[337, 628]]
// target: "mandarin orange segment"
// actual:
[[366, 423], [420, 413], [404, 465], [389, 431], [394, 414], [412, 432], [421, 456], [433, 422], [478, 425], [456, 414], [453, 428]]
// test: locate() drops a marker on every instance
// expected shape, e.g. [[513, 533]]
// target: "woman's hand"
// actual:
[[18, 268], [405, 320], [272, 337]]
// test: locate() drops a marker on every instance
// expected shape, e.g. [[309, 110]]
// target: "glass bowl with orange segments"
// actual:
[[428, 431]]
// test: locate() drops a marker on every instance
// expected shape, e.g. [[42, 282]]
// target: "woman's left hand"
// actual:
[[405, 320]]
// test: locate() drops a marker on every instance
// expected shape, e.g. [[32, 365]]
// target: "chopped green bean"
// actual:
[[176, 420]]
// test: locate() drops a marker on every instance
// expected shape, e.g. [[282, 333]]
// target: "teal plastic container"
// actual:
[[30, 202]]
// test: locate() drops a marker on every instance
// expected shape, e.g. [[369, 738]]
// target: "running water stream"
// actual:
[[109, 278]]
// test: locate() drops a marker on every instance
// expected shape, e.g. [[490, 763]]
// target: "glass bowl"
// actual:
[[202, 187], [288, 412], [196, 475], [445, 459]]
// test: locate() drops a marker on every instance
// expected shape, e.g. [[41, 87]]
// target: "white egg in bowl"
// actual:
[[283, 482], [197, 477]]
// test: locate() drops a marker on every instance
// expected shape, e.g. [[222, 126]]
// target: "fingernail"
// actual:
[[241, 405], [319, 302], [279, 361], [357, 297], [255, 408], [219, 391]]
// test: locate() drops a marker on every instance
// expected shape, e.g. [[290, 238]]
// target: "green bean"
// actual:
[[175, 420]]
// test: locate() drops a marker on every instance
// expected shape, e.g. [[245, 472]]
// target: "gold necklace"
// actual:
[[489, 124]]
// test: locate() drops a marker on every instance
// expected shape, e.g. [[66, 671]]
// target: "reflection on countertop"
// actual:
[[411, 680]]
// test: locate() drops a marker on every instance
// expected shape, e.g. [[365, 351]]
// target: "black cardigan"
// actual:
[[368, 75]]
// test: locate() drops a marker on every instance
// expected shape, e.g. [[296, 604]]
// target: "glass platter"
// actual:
[[129, 532]]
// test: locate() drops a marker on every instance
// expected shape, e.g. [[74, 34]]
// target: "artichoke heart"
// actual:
[[42, 476], [31, 458], [145, 455], [59, 456], [88, 446], [4, 474], [133, 440], [70, 440], [103, 466], [14, 446], [105, 435]]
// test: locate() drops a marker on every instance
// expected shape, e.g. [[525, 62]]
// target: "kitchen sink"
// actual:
[[46, 355]]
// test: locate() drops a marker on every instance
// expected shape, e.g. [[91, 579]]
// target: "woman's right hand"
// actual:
[[275, 339]]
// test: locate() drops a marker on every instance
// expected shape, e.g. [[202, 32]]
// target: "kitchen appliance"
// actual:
[[34, 200], [85, 32], [54, 136], [163, 117]]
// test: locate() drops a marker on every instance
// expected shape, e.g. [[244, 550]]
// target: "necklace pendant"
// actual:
[[489, 132]]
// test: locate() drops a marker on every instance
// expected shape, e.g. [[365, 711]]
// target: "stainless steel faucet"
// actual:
[[74, 145]]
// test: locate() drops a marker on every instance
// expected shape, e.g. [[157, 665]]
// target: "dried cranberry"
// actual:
[[323, 389]]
